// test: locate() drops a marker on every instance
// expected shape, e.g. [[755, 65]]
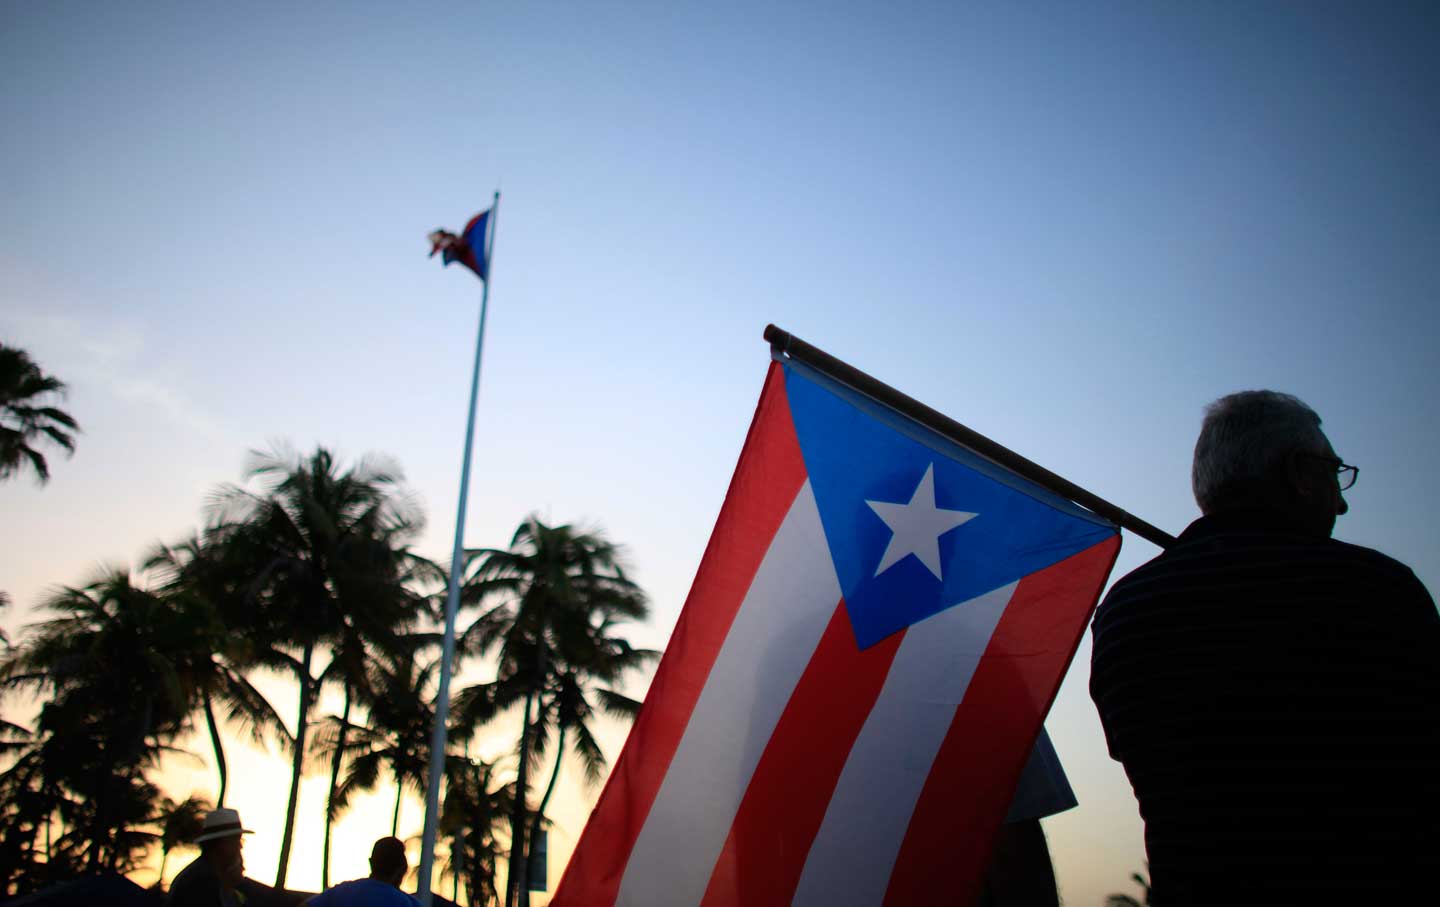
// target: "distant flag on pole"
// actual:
[[469, 248], [873, 638]]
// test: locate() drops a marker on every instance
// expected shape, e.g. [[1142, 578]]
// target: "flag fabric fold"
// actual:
[[874, 635], [469, 248]]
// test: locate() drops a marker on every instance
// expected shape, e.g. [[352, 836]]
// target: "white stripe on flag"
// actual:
[[869, 812], [779, 624]]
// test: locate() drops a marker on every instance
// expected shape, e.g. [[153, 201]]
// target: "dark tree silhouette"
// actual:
[[27, 416], [213, 670], [111, 663], [1125, 900], [319, 544], [367, 640], [397, 736], [180, 823], [562, 593], [476, 807]]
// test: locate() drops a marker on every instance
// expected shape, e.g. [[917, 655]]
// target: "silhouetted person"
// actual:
[[1020, 873], [381, 889], [1271, 692], [211, 879]]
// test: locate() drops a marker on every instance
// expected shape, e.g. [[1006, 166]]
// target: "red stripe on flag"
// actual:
[[967, 793], [767, 478], [791, 787]]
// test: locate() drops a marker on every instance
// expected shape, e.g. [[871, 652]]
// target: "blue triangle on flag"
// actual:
[[857, 451]]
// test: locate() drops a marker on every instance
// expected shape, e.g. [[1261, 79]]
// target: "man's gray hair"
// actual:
[[1244, 437]]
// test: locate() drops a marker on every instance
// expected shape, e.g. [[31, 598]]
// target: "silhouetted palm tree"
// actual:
[[319, 543], [180, 823], [569, 712], [1125, 900], [350, 663], [562, 593], [12, 736], [24, 814], [110, 662], [397, 736], [212, 671], [25, 808], [364, 640], [476, 807], [26, 419]]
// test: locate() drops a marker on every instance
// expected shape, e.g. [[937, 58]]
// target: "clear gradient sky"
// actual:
[[1066, 225]]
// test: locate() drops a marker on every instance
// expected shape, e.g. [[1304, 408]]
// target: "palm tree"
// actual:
[[4, 640], [349, 663], [562, 594], [397, 737], [319, 543], [24, 815], [180, 823], [25, 419], [12, 736], [221, 650], [475, 807], [1125, 900], [364, 640], [110, 661]]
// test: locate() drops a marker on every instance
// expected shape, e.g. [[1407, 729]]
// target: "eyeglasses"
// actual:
[[1345, 474]]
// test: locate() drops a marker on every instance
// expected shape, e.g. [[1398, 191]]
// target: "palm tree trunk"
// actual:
[[399, 795], [164, 858], [544, 802], [330, 799], [515, 881], [219, 749], [300, 724], [515, 877]]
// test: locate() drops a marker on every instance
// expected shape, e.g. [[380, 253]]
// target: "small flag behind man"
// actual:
[[876, 631], [469, 248]]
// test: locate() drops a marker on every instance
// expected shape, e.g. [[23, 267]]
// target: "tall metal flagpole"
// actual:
[[452, 598]]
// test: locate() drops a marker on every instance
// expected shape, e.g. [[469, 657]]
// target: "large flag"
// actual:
[[875, 633], [469, 248]]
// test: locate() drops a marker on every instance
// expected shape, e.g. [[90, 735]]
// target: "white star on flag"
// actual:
[[917, 526]]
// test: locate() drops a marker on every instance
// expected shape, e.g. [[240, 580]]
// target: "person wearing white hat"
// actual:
[[211, 879]]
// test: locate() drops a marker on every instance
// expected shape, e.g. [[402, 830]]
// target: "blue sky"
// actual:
[[1068, 227]]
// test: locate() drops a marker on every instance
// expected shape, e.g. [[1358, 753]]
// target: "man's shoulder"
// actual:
[[195, 886], [1245, 565], [1253, 551], [364, 893], [1368, 558], [198, 870]]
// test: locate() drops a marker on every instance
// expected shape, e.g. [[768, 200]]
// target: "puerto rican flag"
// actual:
[[470, 248], [875, 633]]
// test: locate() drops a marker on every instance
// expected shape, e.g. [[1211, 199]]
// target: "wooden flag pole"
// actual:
[[785, 344]]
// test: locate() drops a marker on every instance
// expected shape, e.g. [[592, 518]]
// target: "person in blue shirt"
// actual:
[[382, 889]]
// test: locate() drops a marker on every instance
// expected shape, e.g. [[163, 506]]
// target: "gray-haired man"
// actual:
[[1274, 694]]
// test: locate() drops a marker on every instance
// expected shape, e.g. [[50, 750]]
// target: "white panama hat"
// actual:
[[221, 823]]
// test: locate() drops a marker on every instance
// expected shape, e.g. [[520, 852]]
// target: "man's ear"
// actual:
[[1297, 474]]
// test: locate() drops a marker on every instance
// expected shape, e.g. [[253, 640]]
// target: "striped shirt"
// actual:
[[1275, 700]]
